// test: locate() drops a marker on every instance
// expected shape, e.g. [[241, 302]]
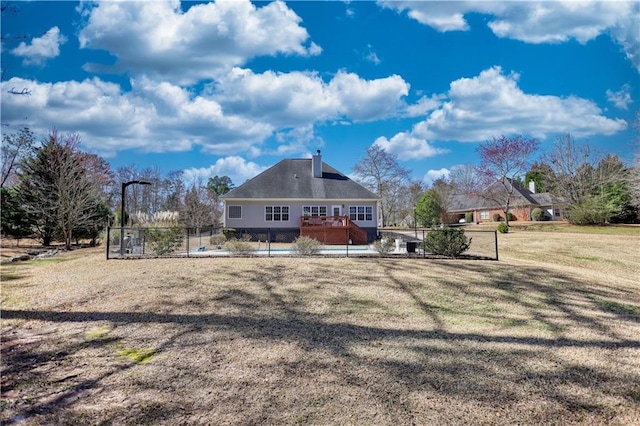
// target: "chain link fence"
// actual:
[[147, 242], [483, 244]]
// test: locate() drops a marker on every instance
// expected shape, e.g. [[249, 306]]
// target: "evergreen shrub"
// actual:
[[590, 211], [450, 242], [537, 214], [164, 240], [503, 228], [229, 233]]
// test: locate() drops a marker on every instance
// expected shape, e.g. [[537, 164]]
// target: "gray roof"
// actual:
[[521, 195], [293, 179]]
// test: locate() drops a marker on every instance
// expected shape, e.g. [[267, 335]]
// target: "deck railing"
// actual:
[[327, 221], [332, 229]]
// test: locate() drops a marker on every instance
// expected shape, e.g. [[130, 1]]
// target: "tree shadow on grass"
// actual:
[[448, 363], [486, 369], [555, 299]]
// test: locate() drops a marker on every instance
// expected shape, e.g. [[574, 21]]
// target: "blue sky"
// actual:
[[232, 87]]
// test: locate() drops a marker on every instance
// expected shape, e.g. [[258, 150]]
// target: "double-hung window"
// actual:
[[314, 210], [361, 213], [484, 214], [276, 213]]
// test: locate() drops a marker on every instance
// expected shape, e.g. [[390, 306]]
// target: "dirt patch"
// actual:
[[547, 335]]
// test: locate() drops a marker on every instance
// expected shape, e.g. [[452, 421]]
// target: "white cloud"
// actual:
[[433, 175], [153, 117], [423, 106], [41, 48], [408, 147], [314, 49], [284, 99], [492, 104], [626, 33], [372, 56], [365, 100], [148, 37], [537, 22], [235, 116], [297, 141], [622, 98], [237, 168], [297, 99]]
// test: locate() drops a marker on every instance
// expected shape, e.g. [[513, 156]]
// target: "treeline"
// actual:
[[54, 191], [597, 190]]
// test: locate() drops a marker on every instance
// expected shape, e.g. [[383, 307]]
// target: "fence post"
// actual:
[[424, 248], [122, 240], [108, 240], [347, 240], [268, 242], [187, 242], [495, 236]]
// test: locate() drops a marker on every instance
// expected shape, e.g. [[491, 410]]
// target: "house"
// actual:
[[522, 202], [303, 197]]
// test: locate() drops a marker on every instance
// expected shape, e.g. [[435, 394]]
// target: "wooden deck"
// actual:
[[332, 230]]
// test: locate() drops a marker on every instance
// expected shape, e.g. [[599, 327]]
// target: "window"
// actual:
[[556, 212], [360, 212], [314, 210], [276, 213], [484, 214], [235, 212]]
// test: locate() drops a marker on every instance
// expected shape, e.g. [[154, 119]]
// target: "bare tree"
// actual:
[[574, 168], [408, 198], [465, 179], [381, 173], [164, 193], [100, 170], [502, 161], [139, 198], [14, 148], [174, 190], [151, 197], [198, 208]]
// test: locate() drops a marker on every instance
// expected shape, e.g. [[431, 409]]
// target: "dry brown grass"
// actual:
[[550, 334]]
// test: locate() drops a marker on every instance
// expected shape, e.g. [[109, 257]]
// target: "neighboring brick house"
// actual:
[[522, 202], [303, 197]]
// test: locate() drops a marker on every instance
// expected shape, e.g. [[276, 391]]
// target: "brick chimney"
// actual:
[[532, 186], [316, 165]]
